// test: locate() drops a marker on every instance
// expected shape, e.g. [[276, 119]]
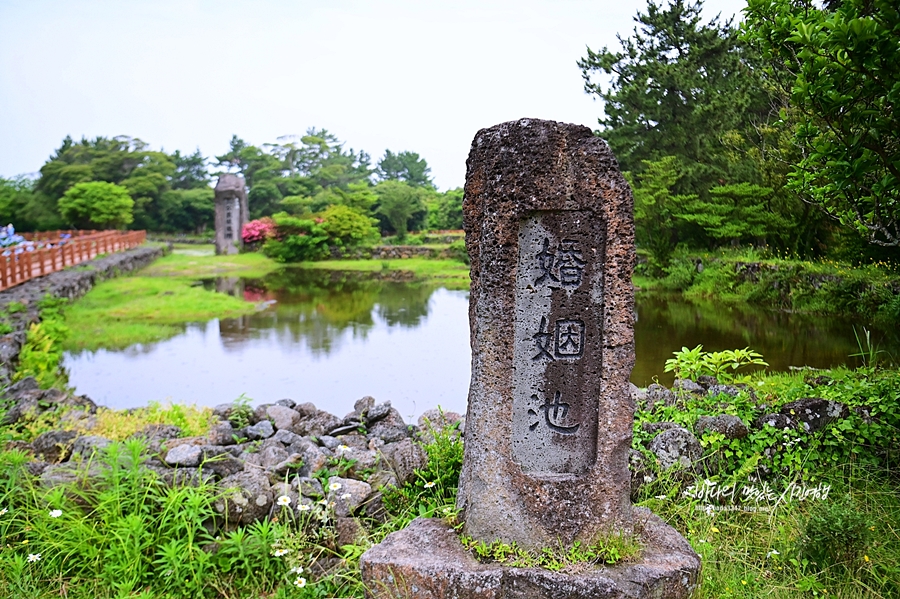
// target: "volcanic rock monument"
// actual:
[[550, 236]]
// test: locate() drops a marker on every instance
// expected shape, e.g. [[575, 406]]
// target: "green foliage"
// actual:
[[691, 363], [606, 551], [41, 355], [458, 251], [348, 228], [675, 89], [840, 68], [297, 240], [404, 166], [97, 205], [445, 210], [432, 493], [399, 203], [837, 533]]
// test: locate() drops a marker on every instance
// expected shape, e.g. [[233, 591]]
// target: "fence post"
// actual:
[[4, 279]]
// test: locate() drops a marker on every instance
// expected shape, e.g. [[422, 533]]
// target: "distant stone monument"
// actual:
[[231, 213], [550, 236]]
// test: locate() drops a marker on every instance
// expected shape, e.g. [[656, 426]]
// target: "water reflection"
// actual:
[[332, 337]]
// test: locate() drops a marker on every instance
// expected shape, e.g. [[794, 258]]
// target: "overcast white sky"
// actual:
[[400, 74]]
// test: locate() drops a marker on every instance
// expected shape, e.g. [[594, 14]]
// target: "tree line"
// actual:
[[120, 182], [780, 132]]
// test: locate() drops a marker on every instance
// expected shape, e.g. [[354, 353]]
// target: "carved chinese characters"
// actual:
[[548, 430], [554, 406]]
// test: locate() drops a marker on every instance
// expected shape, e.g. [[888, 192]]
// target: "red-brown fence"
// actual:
[[17, 268]]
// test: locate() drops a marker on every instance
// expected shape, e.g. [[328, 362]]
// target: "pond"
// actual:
[[331, 337]]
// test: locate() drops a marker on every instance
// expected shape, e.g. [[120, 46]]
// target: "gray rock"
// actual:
[[261, 430], [779, 421], [223, 410], [222, 433], [347, 494], [639, 396], [293, 462], [316, 425], [184, 455], [676, 447], [182, 477], [390, 427], [308, 487], [707, 381], [657, 395], [70, 473], [306, 409], [272, 456], [724, 390], [223, 465], [350, 531], [286, 402], [282, 417], [377, 412], [363, 405], [87, 445], [246, 498], [404, 458], [689, 386], [286, 437], [54, 446], [730, 426], [328, 441], [814, 413], [656, 427]]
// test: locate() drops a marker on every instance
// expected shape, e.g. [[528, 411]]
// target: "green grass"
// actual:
[[448, 273], [121, 312], [180, 263]]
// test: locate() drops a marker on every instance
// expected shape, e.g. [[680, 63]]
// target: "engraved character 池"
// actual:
[[554, 415], [569, 338], [543, 340]]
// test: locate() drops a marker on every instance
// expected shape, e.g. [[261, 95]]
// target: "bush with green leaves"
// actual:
[[296, 239], [42, 353], [97, 205], [348, 227], [692, 363]]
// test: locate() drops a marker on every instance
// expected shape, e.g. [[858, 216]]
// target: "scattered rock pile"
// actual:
[[253, 456]]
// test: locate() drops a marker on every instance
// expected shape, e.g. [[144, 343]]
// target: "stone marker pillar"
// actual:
[[231, 213], [550, 237]]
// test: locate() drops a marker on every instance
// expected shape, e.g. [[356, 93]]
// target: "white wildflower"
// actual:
[[34, 557], [346, 496], [773, 553], [55, 513], [303, 508], [284, 500], [334, 486], [300, 582], [296, 570], [280, 552], [429, 484], [3, 511]]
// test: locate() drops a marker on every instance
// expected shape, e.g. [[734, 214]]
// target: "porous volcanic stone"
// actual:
[[427, 561], [550, 237]]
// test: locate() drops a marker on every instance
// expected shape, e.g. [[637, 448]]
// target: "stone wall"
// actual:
[[389, 252], [70, 283]]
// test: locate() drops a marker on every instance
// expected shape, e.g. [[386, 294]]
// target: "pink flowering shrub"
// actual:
[[258, 230]]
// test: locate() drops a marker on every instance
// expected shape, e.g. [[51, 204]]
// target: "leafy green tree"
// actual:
[[733, 214], [399, 203], [348, 227], [674, 89], [16, 203], [190, 171], [97, 204], [404, 166], [656, 209], [445, 209], [841, 67]]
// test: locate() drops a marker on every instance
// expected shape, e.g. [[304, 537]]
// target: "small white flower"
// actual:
[[3, 511], [661, 497], [344, 448], [280, 552], [429, 484], [296, 570], [323, 502], [702, 540], [34, 557], [346, 496], [55, 513], [773, 552], [334, 486], [709, 510], [300, 582], [648, 478], [303, 508], [284, 500]]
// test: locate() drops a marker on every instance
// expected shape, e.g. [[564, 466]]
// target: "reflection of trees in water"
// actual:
[[319, 307], [668, 322]]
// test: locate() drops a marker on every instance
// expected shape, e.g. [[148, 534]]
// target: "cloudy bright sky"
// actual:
[[400, 74]]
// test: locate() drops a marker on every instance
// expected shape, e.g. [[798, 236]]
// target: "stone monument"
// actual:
[[231, 213], [550, 236]]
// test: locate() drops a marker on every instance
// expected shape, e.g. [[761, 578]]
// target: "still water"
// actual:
[[332, 337]]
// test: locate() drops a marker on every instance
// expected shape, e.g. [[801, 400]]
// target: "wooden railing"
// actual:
[[16, 268]]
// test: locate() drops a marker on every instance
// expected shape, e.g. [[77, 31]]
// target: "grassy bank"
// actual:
[[156, 303], [826, 287], [130, 536]]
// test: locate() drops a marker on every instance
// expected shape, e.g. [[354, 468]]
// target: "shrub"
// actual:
[[348, 227], [258, 230], [296, 240], [97, 204]]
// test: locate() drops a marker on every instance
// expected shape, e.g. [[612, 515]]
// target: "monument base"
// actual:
[[427, 561]]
